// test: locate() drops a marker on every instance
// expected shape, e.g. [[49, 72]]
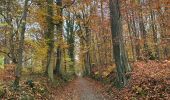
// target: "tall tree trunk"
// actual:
[[121, 60], [87, 58], [155, 34], [49, 36], [59, 28], [131, 34], [136, 35], [143, 32], [103, 49], [21, 46]]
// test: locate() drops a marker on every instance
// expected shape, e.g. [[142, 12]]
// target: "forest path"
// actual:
[[83, 89]]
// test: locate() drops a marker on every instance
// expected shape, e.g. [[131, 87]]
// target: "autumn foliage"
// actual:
[[85, 49]]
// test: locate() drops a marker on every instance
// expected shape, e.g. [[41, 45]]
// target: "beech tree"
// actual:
[[121, 61], [21, 44], [49, 36]]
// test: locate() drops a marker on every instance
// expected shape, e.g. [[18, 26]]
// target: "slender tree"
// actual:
[[21, 45], [59, 27]]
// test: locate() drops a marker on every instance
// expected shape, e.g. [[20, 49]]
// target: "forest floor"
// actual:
[[83, 89], [79, 88], [149, 81]]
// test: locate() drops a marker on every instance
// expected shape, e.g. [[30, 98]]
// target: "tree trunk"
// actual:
[[21, 46], [137, 38], [49, 36], [59, 28], [58, 62], [121, 60], [155, 34]]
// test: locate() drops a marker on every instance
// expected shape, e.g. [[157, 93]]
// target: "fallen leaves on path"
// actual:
[[83, 89]]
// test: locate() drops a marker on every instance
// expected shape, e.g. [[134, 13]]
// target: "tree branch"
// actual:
[[27, 59], [65, 6]]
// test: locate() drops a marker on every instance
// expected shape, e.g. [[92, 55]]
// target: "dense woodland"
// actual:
[[84, 49]]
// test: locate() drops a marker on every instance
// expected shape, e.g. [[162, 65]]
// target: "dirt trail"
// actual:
[[82, 89]]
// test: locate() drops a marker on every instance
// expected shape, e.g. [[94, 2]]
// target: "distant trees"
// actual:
[[70, 35], [143, 18]]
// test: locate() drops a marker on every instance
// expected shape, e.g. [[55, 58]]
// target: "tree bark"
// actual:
[[59, 28], [121, 60], [21, 46], [49, 36]]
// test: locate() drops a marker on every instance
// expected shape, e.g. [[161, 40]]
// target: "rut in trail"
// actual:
[[82, 89]]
